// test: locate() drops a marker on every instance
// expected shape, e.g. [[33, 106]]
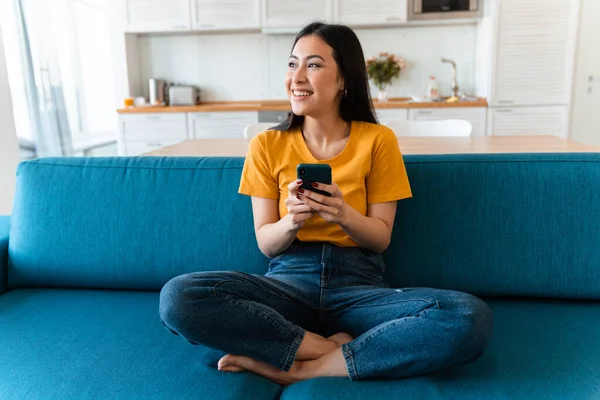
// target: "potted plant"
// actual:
[[382, 70]]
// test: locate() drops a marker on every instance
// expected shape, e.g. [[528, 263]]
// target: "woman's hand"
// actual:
[[331, 209], [298, 212]]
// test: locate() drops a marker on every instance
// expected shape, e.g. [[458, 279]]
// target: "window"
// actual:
[[71, 56]]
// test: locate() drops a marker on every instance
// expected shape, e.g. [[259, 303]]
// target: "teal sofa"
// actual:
[[91, 241]]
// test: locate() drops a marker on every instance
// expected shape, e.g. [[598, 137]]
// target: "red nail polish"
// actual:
[[300, 190], [315, 184], [298, 197], [299, 181]]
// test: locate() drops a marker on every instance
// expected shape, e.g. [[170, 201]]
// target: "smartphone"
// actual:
[[320, 173]]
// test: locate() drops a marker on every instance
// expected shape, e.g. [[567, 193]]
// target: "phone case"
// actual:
[[320, 173]]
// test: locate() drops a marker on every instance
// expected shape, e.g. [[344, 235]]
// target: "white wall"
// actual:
[[8, 140], [247, 66]]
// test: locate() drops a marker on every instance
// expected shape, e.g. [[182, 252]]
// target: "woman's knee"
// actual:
[[475, 324], [178, 294]]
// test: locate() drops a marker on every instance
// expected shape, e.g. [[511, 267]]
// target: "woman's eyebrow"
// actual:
[[309, 57]]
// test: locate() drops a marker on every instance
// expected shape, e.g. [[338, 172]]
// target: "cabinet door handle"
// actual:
[[205, 25], [179, 27], [424, 112], [153, 117], [393, 18], [504, 110], [505, 101]]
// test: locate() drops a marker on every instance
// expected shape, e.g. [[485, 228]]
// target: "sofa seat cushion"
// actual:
[[102, 344], [540, 350]]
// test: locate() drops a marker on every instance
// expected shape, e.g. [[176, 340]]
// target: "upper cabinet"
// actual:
[[534, 52], [373, 12], [271, 15], [225, 14], [293, 14], [158, 15]]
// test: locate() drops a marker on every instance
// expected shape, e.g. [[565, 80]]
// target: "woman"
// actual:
[[323, 308]]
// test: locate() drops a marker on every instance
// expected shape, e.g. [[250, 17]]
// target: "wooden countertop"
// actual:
[[284, 105], [408, 145]]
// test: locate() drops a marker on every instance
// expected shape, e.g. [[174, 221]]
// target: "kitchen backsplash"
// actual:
[[244, 66]]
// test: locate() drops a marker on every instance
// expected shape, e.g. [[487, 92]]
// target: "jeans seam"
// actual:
[[385, 304], [233, 300], [358, 342], [289, 360], [350, 365], [253, 287]]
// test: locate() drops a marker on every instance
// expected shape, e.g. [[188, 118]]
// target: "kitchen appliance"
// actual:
[[156, 91], [444, 9], [183, 95]]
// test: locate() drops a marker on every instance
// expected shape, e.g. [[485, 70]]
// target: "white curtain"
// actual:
[[40, 36]]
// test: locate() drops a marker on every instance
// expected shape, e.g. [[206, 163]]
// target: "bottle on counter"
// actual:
[[432, 90]]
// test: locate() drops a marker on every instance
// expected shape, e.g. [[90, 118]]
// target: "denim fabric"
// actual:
[[327, 289]]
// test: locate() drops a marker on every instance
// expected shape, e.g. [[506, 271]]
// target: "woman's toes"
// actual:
[[229, 363], [341, 338]]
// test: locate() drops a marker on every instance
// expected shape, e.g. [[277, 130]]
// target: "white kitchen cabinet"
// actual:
[[548, 120], [138, 132], [294, 14], [389, 114], [475, 115], [372, 12], [533, 52], [220, 124], [225, 14], [158, 15], [138, 149]]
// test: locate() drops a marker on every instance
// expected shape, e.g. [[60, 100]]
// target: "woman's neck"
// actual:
[[324, 130]]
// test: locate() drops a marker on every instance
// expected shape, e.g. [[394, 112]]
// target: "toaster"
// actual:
[[180, 95]]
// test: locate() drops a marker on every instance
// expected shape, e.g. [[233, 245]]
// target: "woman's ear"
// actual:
[[341, 83]]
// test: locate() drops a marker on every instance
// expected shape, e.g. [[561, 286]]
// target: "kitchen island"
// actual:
[[408, 145]]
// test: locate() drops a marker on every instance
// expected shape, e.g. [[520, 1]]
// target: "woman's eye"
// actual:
[[291, 64], [312, 65]]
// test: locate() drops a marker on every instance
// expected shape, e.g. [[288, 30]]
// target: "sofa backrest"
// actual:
[[497, 224]]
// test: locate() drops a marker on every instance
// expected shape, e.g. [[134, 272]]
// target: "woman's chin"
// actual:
[[300, 109]]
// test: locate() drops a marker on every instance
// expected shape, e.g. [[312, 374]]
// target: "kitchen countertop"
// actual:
[[283, 105], [408, 145]]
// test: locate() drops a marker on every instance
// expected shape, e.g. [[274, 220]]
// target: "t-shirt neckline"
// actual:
[[301, 143]]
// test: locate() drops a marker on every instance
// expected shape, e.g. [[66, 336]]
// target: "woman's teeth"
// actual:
[[301, 94]]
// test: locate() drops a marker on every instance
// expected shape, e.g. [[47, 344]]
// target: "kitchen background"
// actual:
[[252, 66], [533, 63]]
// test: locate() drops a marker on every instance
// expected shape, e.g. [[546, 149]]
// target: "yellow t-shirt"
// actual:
[[369, 170]]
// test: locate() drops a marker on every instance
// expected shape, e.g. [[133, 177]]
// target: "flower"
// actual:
[[383, 68]]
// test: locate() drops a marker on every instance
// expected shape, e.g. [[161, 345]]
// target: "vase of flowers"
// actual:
[[382, 70]]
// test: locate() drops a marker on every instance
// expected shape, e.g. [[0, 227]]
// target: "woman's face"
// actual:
[[313, 81]]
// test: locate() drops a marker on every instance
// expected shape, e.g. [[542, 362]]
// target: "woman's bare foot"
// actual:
[[341, 338], [229, 363], [330, 364], [234, 363]]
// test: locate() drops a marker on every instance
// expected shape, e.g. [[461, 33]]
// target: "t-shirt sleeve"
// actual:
[[257, 179], [387, 180]]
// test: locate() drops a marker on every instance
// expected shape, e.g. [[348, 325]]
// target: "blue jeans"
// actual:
[[327, 289]]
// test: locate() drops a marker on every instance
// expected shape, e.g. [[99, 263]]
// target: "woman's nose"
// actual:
[[299, 75]]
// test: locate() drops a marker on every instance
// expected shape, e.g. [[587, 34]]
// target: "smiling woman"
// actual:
[[324, 308]]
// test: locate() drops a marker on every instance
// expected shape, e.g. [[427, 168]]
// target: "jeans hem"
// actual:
[[349, 357], [289, 360]]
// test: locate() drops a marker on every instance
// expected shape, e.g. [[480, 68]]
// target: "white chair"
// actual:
[[254, 129], [447, 127]]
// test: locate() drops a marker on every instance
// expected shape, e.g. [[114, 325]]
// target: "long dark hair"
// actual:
[[356, 102]]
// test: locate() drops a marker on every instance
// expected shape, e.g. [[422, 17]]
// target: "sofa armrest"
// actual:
[[4, 230]]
